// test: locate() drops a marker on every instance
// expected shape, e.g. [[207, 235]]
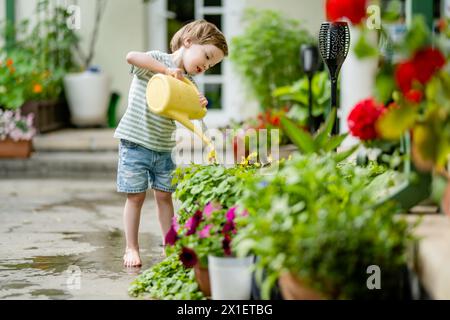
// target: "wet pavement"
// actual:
[[63, 239]]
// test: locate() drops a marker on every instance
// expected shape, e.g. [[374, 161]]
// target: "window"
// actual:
[[181, 12]]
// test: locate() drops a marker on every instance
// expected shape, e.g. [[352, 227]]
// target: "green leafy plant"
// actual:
[[321, 141], [199, 185], [167, 280], [297, 95], [315, 219], [266, 54]]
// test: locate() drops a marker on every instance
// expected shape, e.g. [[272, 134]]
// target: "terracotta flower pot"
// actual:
[[12, 149], [293, 289], [202, 277]]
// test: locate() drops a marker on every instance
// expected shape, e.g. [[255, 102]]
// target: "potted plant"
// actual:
[[411, 97], [197, 187], [36, 64], [16, 134], [206, 238], [88, 91], [315, 228]]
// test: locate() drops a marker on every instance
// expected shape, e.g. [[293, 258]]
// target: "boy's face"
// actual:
[[198, 58]]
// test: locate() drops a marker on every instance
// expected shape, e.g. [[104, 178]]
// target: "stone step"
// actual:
[[62, 165], [83, 140]]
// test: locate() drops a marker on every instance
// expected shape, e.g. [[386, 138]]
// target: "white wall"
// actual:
[[122, 30], [310, 12]]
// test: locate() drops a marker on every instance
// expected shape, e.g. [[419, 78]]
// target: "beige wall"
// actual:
[[311, 12], [122, 30]]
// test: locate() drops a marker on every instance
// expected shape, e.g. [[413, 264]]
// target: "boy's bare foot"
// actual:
[[132, 258]]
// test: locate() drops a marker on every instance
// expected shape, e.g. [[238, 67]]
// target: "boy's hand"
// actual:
[[175, 72], [203, 100]]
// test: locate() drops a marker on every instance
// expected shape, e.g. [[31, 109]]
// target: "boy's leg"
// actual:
[[131, 219], [165, 210]]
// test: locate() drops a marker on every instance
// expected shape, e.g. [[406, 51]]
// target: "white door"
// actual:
[[165, 17]]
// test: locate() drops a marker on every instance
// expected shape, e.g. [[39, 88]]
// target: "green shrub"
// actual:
[[267, 53]]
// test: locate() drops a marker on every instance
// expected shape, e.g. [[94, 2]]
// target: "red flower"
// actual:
[[230, 226], [275, 121], [188, 257], [226, 245], [171, 236], [354, 10], [405, 75], [426, 63], [414, 96], [422, 67], [362, 119]]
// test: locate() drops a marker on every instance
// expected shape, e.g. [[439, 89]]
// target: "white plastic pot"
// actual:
[[230, 278], [88, 95]]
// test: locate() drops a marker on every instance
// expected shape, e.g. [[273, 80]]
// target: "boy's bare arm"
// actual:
[[144, 61]]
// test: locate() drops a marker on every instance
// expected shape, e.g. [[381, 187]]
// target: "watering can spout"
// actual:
[[184, 120]]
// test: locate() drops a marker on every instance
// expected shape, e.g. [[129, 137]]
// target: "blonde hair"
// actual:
[[200, 32]]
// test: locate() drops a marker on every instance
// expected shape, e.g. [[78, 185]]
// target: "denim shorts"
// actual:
[[140, 168]]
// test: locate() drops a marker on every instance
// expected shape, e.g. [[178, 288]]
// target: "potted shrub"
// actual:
[[88, 90], [16, 134], [36, 64], [206, 237], [315, 228]]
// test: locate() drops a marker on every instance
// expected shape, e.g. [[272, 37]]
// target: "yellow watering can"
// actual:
[[177, 100]]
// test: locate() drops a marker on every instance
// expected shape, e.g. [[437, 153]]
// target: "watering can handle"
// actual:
[[187, 81]]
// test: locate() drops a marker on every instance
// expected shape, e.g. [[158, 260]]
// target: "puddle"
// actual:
[[48, 274]]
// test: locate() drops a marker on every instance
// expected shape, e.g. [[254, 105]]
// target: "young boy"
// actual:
[[146, 139]]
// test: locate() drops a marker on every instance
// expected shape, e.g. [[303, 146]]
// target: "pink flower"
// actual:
[[210, 208], [171, 236], [244, 213], [175, 224], [205, 233], [193, 222], [231, 214]]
